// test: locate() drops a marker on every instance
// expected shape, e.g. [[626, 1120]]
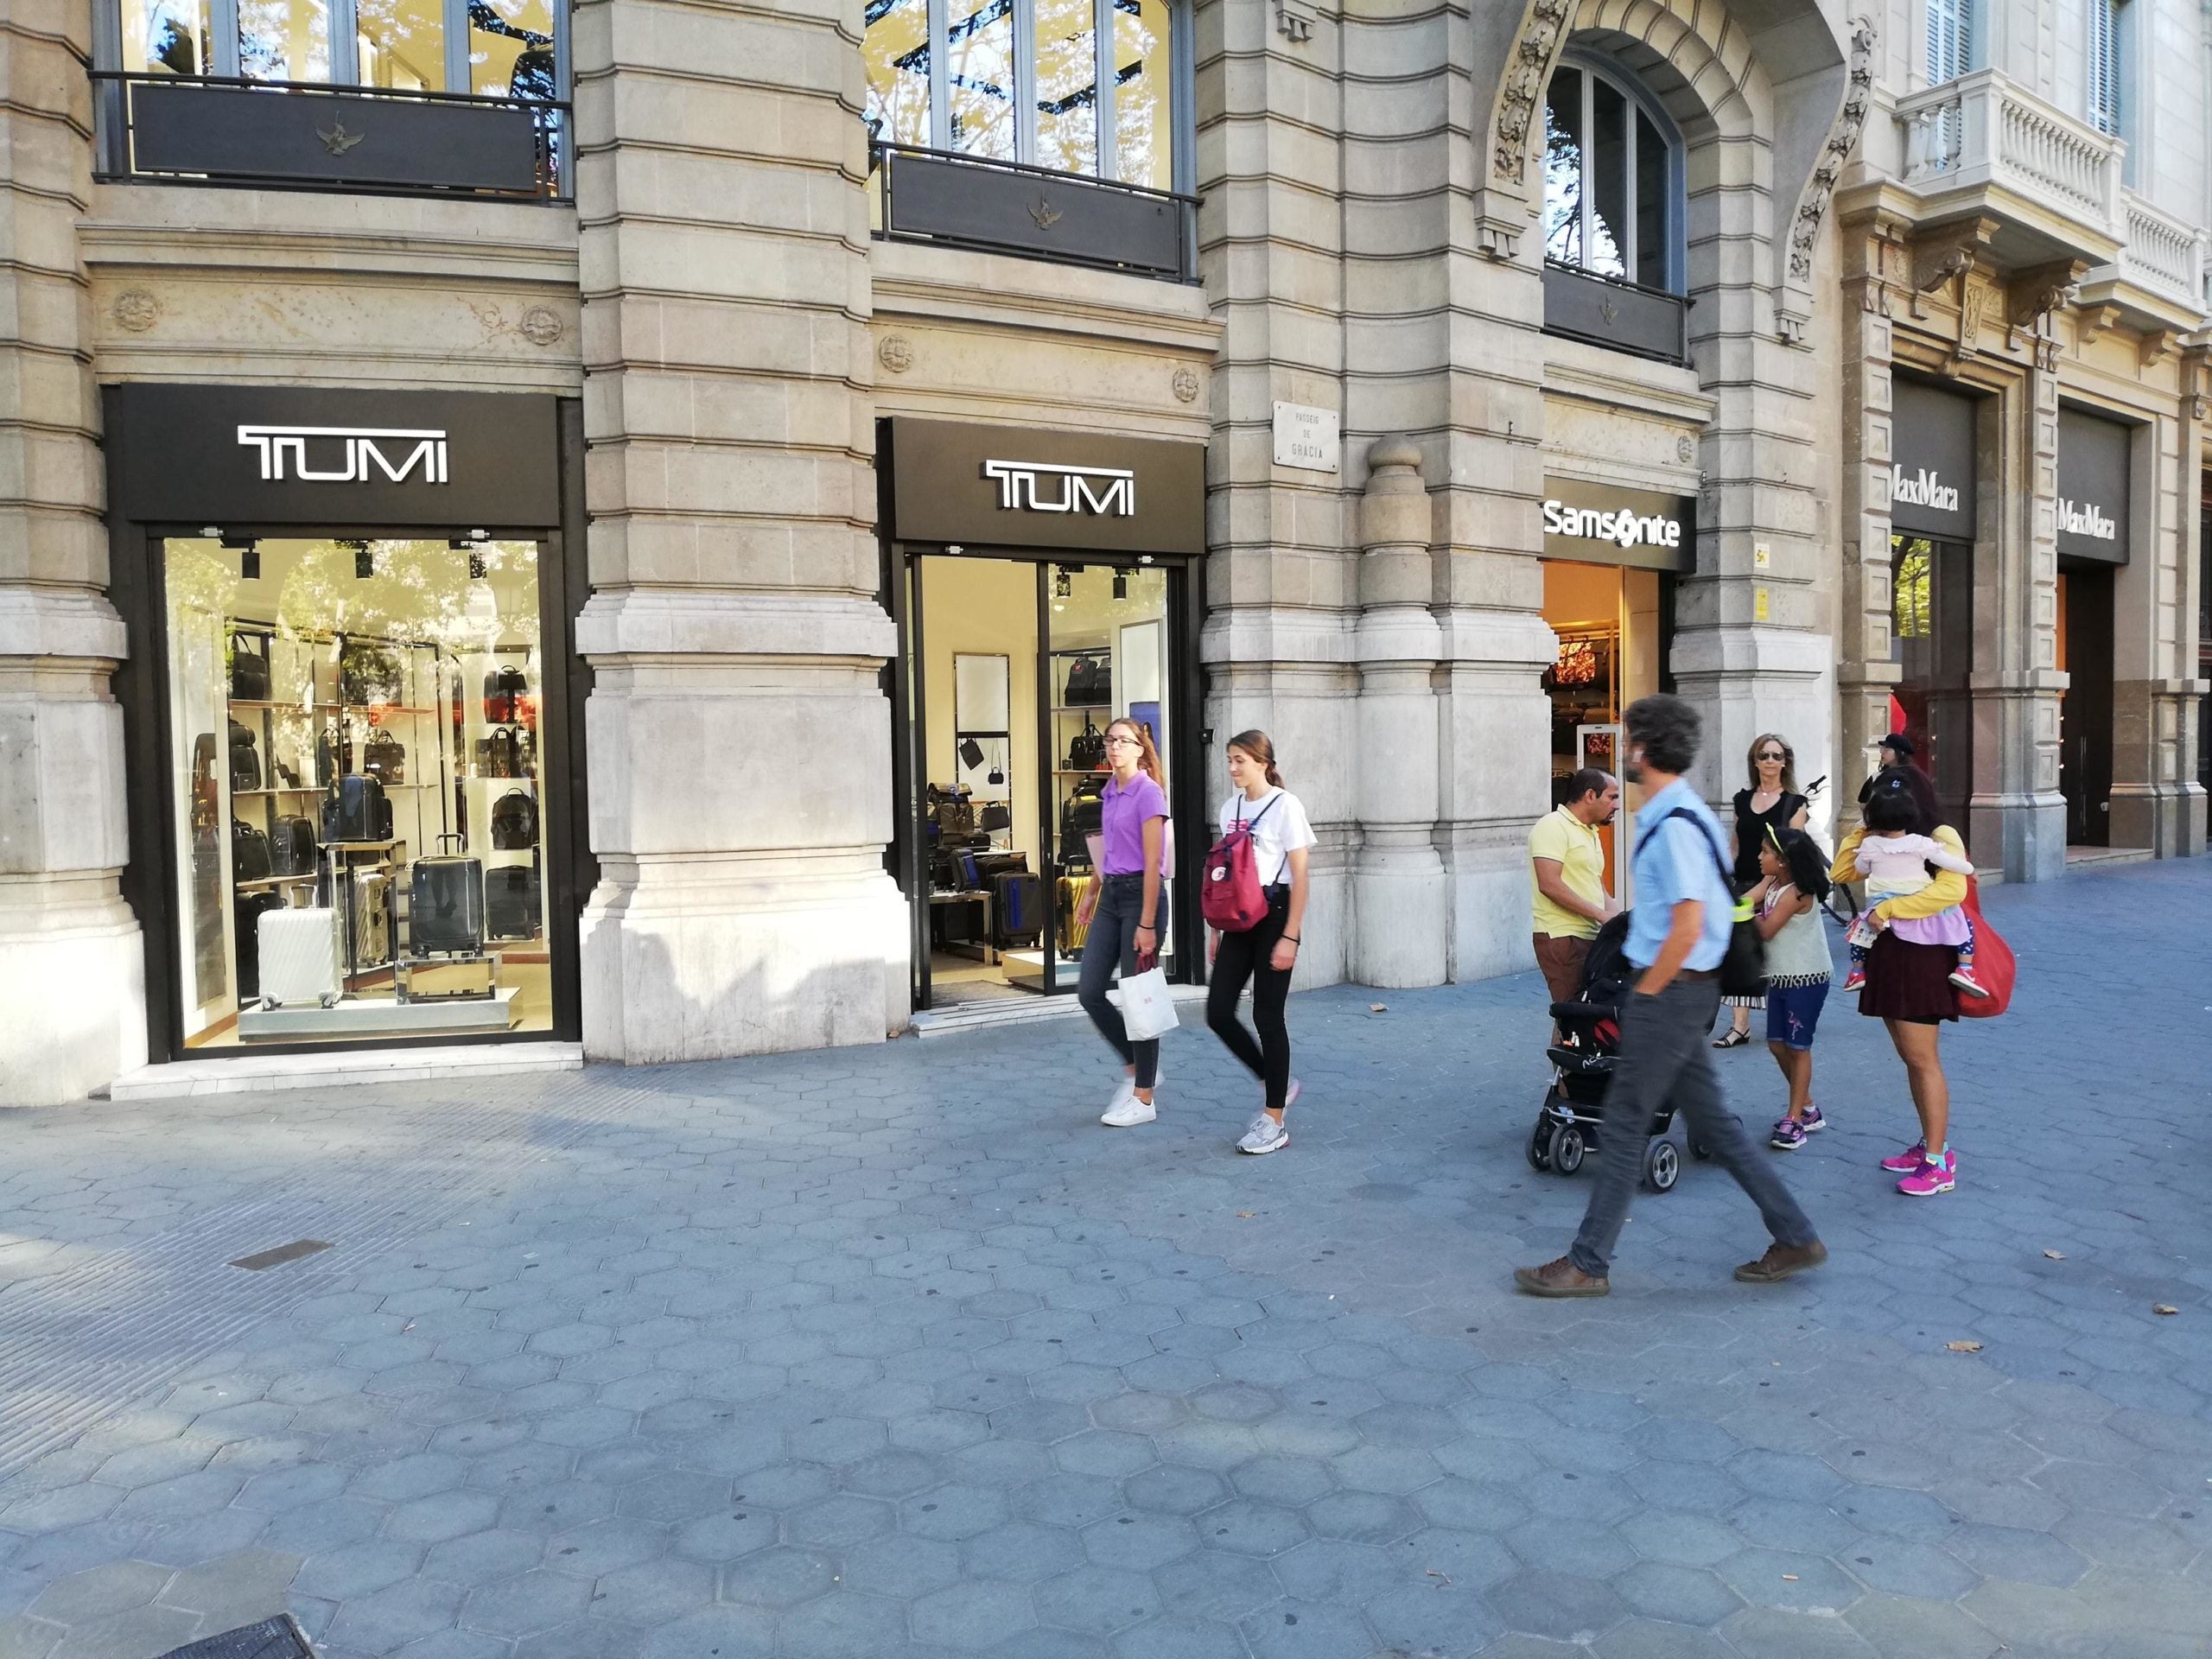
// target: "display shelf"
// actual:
[[262, 883], [282, 789], [296, 708], [1083, 771], [1079, 708]]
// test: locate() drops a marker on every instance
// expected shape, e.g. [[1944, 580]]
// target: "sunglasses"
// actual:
[[1774, 754]]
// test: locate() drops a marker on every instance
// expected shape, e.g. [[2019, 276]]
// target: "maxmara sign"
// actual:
[[334, 460], [1922, 487], [1603, 523], [2093, 457], [1932, 488], [2087, 518]]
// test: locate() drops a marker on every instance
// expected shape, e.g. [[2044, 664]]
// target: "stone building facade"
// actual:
[[1545, 284]]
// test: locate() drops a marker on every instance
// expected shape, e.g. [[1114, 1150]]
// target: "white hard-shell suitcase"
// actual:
[[299, 956]]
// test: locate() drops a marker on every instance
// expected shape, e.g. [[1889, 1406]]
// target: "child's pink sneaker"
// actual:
[[1931, 1178], [1905, 1162], [1963, 978]]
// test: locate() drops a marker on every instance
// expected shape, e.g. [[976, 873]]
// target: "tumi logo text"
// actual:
[[361, 451], [1107, 492], [1623, 526], [1922, 489], [2086, 519]]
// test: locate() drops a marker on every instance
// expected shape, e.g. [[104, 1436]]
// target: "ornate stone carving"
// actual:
[[1184, 384], [1685, 449], [541, 326], [1843, 138], [2034, 293], [136, 309], [896, 353], [1294, 20], [1526, 71]]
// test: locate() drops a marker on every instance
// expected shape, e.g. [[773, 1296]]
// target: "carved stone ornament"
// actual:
[[896, 353], [1184, 384], [136, 309], [1684, 449], [541, 326], [2034, 294], [1843, 138], [1294, 20], [1526, 71]]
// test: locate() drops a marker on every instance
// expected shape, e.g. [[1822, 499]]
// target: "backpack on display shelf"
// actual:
[[1090, 680], [514, 822], [356, 810], [499, 754], [292, 851], [249, 853], [245, 759]]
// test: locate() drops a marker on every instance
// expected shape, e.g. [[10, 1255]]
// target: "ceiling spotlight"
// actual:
[[1063, 583], [365, 562], [250, 563]]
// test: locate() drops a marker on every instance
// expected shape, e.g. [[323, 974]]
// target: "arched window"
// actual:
[[1087, 86], [1612, 178]]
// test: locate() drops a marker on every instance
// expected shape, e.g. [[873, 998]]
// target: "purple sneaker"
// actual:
[[1788, 1134], [1813, 1121]]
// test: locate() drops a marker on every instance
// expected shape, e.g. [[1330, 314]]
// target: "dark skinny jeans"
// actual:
[[1112, 941], [1246, 955]]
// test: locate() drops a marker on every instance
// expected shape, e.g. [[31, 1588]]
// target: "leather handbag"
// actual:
[[384, 757], [249, 853], [505, 690], [1087, 752], [249, 671], [514, 822]]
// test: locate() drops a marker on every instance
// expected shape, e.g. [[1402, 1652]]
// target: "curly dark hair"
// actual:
[[1665, 728], [1803, 857]]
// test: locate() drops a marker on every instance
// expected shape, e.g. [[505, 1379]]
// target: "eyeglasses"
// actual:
[[1123, 740]]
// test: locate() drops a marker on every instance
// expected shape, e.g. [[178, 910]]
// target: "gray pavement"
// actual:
[[896, 1353]]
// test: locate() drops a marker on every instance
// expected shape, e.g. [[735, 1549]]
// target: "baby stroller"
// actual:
[[1582, 1066]]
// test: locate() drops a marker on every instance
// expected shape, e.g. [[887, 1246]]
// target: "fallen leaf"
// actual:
[[2055, 1255], [1378, 1008], [1246, 1215], [1963, 1347], [1789, 1578], [2167, 1308]]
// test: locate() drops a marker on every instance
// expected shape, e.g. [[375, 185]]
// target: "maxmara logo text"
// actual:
[[361, 453], [1924, 488], [1623, 526], [1039, 486], [2086, 519]]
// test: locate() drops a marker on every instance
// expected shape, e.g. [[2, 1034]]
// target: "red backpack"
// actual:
[[1993, 963], [1228, 887]]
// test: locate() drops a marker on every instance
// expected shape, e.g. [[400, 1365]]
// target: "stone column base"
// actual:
[[1491, 930], [1400, 910], [707, 956], [73, 979]]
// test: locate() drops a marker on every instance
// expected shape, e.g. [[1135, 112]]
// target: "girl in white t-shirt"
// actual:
[[1265, 954]]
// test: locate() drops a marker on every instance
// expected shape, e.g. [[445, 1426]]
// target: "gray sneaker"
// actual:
[[1263, 1135]]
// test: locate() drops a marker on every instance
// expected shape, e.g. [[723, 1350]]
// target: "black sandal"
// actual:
[[1734, 1039]]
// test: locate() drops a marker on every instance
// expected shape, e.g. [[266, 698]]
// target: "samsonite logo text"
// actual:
[[1622, 525]]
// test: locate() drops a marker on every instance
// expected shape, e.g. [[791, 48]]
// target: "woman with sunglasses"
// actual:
[[1132, 914], [1772, 802]]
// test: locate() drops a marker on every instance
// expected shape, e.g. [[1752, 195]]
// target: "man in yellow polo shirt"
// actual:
[[1567, 866]]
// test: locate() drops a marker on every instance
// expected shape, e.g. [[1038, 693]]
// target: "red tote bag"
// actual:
[[1994, 962]]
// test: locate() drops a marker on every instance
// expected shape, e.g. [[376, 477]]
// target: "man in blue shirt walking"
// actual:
[[1678, 935]]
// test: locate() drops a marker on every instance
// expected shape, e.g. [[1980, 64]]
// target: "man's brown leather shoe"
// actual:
[[1560, 1277], [1781, 1261]]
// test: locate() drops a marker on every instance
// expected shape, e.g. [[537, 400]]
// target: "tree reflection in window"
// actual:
[[1911, 599], [1610, 182]]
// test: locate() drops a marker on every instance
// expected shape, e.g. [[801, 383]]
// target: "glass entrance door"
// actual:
[[1931, 585], [1012, 670]]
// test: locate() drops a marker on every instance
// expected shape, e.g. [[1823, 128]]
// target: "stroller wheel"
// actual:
[[1566, 1150], [1540, 1145], [1662, 1167]]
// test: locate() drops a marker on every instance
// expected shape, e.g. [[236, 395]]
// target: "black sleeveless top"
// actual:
[[1752, 828]]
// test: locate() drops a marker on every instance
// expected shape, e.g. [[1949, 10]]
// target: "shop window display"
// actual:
[[356, 733]]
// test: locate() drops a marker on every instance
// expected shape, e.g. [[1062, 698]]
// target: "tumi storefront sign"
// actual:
[[983, 486], [1599, 524], [1932, 474], [2093, 495], [247, 457]]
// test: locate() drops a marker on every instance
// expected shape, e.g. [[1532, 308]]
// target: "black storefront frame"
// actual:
[[149, 881], [907, 860]]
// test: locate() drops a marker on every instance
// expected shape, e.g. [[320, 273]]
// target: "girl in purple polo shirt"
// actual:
[[1132, 909]]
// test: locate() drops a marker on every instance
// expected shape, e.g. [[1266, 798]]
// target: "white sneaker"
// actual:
[[1263, 1135], [1128, 1113]]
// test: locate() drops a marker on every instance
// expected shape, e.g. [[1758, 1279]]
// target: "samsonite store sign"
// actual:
[[982, 486], [1603, 523], [272, 455], [1932, 462], [2093, 501]]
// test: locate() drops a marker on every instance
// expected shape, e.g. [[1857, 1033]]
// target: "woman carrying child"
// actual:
[[1909, 971], [1793, 886]]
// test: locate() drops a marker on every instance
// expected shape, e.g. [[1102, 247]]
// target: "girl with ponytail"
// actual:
[[1132, 914], [1265, 954]]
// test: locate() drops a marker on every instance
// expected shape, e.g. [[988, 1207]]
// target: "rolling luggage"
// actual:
[[292, 850], [511, 901], [247, 912], [1067, 899], [445, 903], [355, 809], [372, 920], [298, 956], [1019, 908]]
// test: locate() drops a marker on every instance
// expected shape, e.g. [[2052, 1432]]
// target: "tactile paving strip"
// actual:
[[83, 1342]]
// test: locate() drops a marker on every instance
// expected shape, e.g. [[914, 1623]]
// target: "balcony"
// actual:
[[300, 135], [1613, 311], [1981, 146], [2158, 281], [970, 202]]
